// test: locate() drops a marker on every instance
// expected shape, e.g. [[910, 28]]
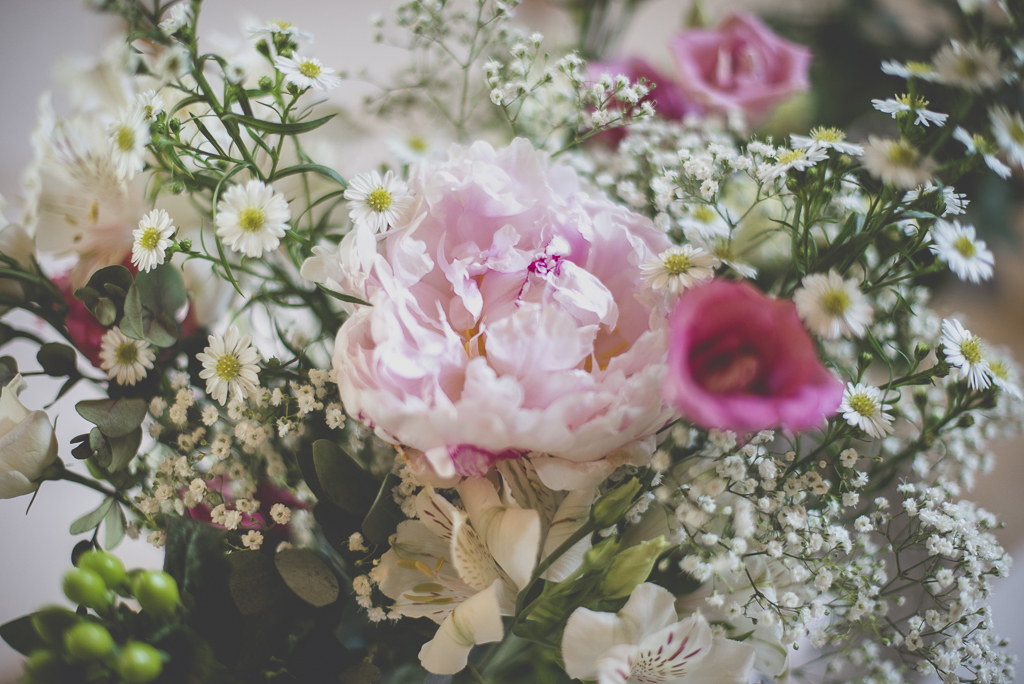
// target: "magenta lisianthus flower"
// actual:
[[508, 321], [739, 360], [741, 65]]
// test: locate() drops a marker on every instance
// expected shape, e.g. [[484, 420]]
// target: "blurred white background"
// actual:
[[34, 34]]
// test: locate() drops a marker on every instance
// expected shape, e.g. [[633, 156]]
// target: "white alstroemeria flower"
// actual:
[[27, 443], [646, 642], [976, 144], [830, 138], [908, 103]]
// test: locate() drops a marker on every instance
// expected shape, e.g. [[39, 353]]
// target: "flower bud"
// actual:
[[922, 350], [610, 508], [631, 567], [174, 125], [263, 48], [266, 83]]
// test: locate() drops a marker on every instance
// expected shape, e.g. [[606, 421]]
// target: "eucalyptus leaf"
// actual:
[[99, 448], [255, 584], [347, 484], [131, 322], [20, 634], [105, 311], [114, 527], [8, 369], [161, 295], [114, 417], [57, 360], [307, 576], [90, 520], [123, 449], [385, 514]]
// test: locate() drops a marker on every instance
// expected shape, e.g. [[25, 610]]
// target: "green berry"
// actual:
[[157, 592], [139, 663], [106, 565], [86, 588], [88, 641]]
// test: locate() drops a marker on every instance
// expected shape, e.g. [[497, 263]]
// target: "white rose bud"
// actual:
[[27, 443]]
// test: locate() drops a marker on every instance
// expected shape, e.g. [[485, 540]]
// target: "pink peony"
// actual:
[[741, 361], [508, 321], [741, 66]]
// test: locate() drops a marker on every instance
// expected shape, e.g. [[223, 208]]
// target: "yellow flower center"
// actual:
[[227, 367], [828, 135], [704, 214], [790, 156], [417, 144], [379, 200], [150, 239], [972, 350], [124, 138], [864, 405], [835, 302], [902, 153], [252, 219], [965, 246], [309, 69], [127, 353], [283, 25], [1000, 370], [912, 101], [1016, 131], [919, 68], [676, 263], [967, 67]]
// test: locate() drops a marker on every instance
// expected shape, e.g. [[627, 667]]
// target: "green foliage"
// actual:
[[105, 293], [347, 484], [152, 304]]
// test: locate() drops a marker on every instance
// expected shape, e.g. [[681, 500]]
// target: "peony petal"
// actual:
[[477, 621]]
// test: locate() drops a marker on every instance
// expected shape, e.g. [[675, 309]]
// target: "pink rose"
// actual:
[[670, 102], [508, 321], [741, 361], [741, 65]]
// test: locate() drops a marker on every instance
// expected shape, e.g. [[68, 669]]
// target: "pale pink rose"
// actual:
[[740, 66], [741, 361], [508, 321]]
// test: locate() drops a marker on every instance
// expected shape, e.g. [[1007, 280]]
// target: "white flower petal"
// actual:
[[477, 621]]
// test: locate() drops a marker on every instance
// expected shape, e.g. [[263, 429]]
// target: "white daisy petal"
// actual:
[[125, 360], [230, 367], [863, 407], [151, 239], [252, 219], [833, 307], [958, 246], [376, 202]]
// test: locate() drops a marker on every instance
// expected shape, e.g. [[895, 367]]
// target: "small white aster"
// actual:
[[229, 367], [831, 138], [958, 246], [910, 103], [703, 221], [307, 72], [678, 268], [897, 162], [1005, 372], [129, 135], [411, 148], [721, 249], [966, 352], [151, 239], [799, 159], [279, 27], [833, 307], [178, 16], [125, 360], [252, 218], [976, 144], [968, 66], [1008, 129], [150, 103], [377, 202], [863, 407], [173, 63]]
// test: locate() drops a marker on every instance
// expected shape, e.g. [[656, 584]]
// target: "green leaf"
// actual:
[[342, 297], [51, 622], [161, 295], [313, 168], [104, 294], [113, 523], [8, 369], [114, 417], [255, 584], [385, 513], [123, 449], [363, 673], [277, 127], [347, 484], [307, 576], [99, 448], [131, 322], [21, 635], [57, 360], [90, 520]]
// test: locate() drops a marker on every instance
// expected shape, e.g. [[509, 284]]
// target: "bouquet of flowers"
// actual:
[[575, 379]]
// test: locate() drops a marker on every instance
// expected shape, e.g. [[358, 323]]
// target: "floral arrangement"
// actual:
[[592, 382]]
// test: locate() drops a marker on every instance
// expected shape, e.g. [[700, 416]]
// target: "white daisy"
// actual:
[[864, 407], [958, 246], [277, 27], [177, 17], [976, 144], [150, 103], [831, 138], [1005, 372], [129, 135], [678, 268], [799, 159], [411, 148], [833, 307], [921, 70], [966, 352], [229, 367], [911, 103], [375, 202], [897, 162], [953, 202], [703, 221], [968, 66], [125, 359], [151, 240], [173, 63], [306, 72], [252, 218], [1009, 132]]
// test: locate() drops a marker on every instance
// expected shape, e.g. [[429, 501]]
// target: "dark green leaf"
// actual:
[[307, 576], [363, 673], [57, 359], [114, 417], [342, 297], [113, 523], [99, 448], [161, 295], [123, 449], [347, 484], [385, 514], [255, 584], [313, 168], [21, 635], [90, 520], [105, 311], [51, 622], [8, 369], [277, 127], [131, 322]]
